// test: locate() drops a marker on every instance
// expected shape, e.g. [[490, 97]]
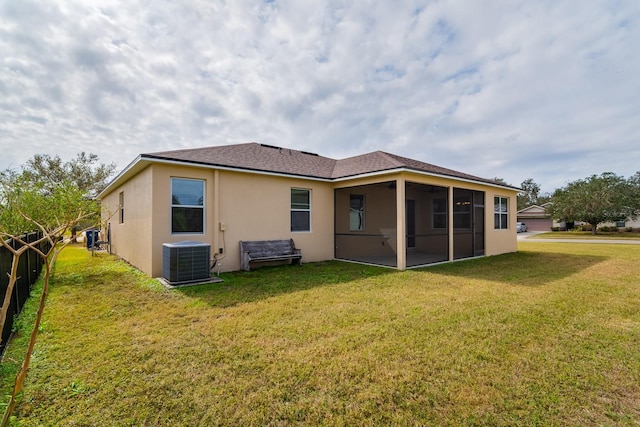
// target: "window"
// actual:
[[121, 206], [300, 209], [356, 212], [500, 213], [462, 211], [440, 212], [187, 205]]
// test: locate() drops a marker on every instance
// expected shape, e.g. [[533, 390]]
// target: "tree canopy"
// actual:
[[531, 194], [597, 199], [51, 193], [84, 172]]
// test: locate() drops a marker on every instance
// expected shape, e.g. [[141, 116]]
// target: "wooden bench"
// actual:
[[268, 250]]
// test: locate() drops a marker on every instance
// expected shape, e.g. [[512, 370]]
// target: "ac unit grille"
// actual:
[[185, 262]]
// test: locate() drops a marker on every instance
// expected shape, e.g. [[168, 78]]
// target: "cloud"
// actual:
[[516, 90]]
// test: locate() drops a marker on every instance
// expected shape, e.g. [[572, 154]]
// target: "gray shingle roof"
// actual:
[[267, 158], [256, 157]]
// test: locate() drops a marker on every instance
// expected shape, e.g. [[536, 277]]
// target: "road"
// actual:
[[525, 236]]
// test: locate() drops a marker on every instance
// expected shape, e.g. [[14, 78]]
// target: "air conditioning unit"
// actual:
[[185, 262]]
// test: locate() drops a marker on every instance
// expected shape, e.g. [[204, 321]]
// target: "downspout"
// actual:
[[216, 211]]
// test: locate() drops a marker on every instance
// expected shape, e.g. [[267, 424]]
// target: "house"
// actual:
[[627, 223], [536, 217], [376, 208]]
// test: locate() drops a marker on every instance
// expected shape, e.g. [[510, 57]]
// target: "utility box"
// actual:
[[185, 262]]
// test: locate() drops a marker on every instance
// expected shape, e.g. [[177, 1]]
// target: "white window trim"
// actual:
[[506, 199], [121, 207], [443, 213], [204, 203], [291, 209]]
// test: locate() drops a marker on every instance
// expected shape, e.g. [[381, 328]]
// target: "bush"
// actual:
[[608, 229], [555, 228]]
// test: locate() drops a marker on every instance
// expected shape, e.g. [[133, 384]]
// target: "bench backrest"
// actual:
[[266, 248]]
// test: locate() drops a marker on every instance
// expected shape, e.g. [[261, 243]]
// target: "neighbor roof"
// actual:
[[271, 159]]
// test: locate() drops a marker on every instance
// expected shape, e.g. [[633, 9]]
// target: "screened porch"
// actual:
[[438, 224]]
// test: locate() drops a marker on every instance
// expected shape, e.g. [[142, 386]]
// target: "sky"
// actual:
[[548, 89]]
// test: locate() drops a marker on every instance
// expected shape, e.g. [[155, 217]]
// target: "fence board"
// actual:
[[29, 267]]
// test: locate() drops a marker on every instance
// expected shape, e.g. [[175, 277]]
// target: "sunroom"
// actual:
[[405, 223]]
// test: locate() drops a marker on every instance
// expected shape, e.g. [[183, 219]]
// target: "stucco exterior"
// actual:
[[256, 205], [237, 206]]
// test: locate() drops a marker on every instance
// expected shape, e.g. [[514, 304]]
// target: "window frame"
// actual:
[[438, 215], [299, 210], [360, 212], [500, 213], [462, 216], [187, 206], [121, 207]]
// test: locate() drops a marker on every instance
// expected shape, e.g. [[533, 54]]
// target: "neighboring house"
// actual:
[[536, 217], [628, 223], [377, 208]]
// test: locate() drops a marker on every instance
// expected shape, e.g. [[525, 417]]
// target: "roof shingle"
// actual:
[[267, 158]]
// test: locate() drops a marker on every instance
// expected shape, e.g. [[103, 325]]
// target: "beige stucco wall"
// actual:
[[131, 240], [162, 174], [248, 206], [501, 241], [258, 207], [253, 206]]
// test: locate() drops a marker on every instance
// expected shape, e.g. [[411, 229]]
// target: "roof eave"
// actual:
[[421, 172], [144, 160], [129, 171]]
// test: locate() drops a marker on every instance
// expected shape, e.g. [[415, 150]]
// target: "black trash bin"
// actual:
[[92, 236]]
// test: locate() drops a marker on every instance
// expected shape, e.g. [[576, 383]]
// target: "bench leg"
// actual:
[[245, 263]]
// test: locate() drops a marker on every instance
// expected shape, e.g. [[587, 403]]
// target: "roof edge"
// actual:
[[145, 159]]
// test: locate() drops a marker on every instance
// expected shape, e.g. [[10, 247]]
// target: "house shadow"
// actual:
[[522, 268], [266, 282]]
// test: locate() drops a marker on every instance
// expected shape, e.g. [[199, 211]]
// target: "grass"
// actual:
[[546, 336], [602, 235]]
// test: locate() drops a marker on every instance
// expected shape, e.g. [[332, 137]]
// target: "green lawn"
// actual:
[[546, 336], [602, 235]]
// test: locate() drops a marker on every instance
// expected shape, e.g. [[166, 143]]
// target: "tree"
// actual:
[[597, 199], [531, 194], [52, 197], [500, 181], [83, 172]]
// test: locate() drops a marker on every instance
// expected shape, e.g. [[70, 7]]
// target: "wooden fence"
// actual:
[[29, 267]]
